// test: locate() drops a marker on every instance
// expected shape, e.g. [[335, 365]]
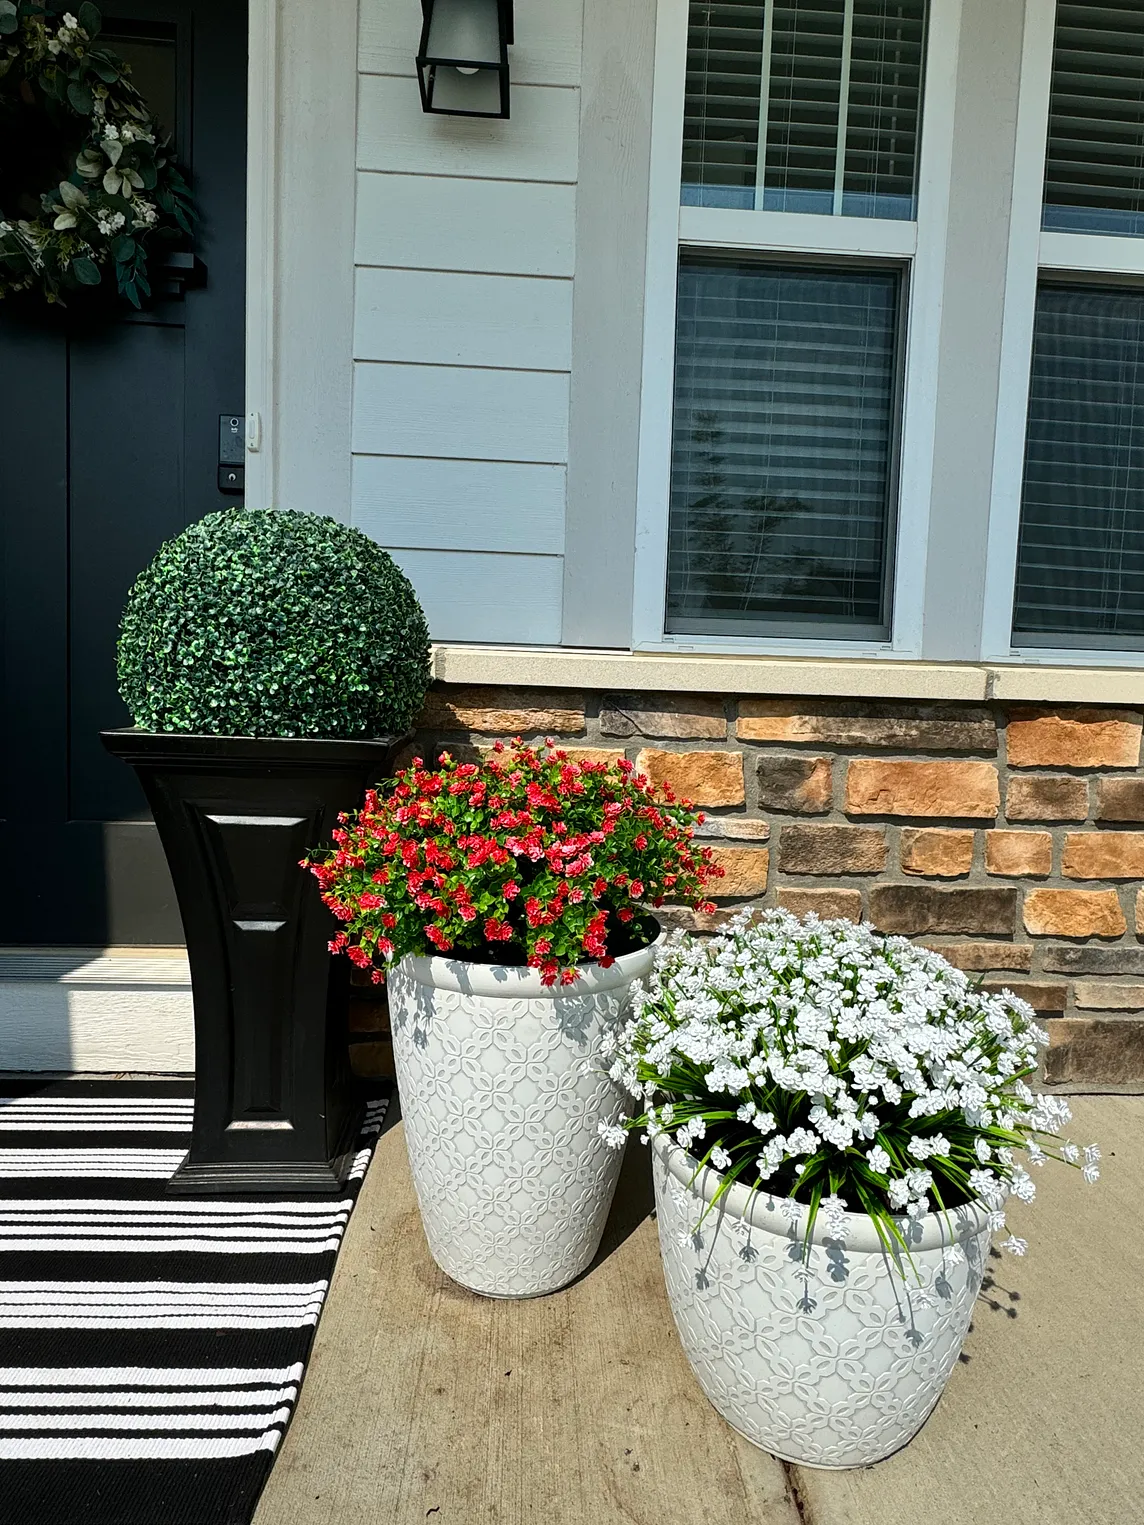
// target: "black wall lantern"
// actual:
[[462, 63]]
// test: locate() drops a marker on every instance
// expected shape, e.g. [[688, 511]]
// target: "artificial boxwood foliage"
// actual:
[[259, 622]]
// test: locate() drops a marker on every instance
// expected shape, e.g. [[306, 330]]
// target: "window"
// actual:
[[804, 106], [1094, 167], [1080, 566], [801, 117], [892, 239], [783, 446], [1080, 554]]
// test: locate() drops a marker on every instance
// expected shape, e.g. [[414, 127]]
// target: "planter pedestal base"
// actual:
[[276, 1104], [196, 1179]]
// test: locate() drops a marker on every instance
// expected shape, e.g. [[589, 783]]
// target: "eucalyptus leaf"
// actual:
[[107, 172], [86, 271]]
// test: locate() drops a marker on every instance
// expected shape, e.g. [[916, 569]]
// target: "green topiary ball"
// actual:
[[258, 622]]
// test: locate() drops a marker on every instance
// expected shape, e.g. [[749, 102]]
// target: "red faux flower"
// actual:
[[546, 860]]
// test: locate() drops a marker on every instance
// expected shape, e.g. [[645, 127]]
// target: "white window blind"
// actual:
[[1094, 168], [1080, 560], [830, 89], [782, 449]]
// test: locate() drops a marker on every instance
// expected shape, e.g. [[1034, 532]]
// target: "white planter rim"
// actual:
[[764, 1212], [512, 982]]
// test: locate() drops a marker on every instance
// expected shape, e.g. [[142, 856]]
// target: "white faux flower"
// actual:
[[1014, 1245], [898, 1192], [613, 1135], [879, 1160], [720, 1158], [835, 1046]]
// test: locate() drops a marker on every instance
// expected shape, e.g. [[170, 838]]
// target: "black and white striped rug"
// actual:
[[151, 1348]]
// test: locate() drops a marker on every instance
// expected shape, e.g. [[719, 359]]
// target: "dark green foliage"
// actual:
[[255, 622]]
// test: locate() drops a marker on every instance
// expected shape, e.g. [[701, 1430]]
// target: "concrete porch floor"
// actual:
[[426, 1403]]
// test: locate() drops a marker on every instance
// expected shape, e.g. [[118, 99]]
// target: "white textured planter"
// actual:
[[502, 1091], [836, 1362]]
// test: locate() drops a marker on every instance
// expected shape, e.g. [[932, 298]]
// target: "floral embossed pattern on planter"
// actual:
[[822, 1354], [503, 1087]]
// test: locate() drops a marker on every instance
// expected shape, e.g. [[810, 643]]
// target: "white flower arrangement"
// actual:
[[827, 1065]]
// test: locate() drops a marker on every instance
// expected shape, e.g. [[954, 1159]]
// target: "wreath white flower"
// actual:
[[124, 189]]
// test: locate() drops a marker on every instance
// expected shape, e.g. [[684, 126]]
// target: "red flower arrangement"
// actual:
[[526, 858]]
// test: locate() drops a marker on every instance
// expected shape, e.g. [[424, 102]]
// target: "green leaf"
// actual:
[[79, 98], [123, 249], [9, 20], [132, 295], [89, 18], [107, 72], [71, 195], [86, 271]]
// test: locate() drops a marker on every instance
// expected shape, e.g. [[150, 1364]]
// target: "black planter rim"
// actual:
[[180, 748]]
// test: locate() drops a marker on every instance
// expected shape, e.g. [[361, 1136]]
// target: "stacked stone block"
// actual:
[[1011, 840]]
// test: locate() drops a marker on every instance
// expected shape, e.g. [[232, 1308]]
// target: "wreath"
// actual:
[[69, 114]]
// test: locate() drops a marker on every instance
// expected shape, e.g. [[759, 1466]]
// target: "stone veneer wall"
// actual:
[[1012, 840]]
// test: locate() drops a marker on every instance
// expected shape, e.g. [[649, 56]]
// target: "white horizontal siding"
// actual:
[[546, 50], [426, 222], [468, 414], [439, 318], [465, 247], [483, 597], [539, 141], [466, 505]]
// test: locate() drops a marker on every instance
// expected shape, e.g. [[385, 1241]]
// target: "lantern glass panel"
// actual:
[[464, 29]]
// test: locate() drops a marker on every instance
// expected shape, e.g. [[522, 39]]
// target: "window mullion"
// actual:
[[764, 102], [843, 105]]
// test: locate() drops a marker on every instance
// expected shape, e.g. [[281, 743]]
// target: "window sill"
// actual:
[[552, 667]]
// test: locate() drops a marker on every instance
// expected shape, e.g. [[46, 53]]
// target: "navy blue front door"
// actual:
[[109, 444]]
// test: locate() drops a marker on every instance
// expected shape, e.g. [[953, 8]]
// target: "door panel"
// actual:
[[109, 446]]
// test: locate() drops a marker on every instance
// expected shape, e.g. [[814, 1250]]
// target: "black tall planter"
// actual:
[[274, 1096]]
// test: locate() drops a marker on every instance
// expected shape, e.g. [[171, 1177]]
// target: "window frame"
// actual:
[[1037, 255], [918, 245]]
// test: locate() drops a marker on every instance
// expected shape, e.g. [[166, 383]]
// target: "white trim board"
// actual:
[[301, 183]]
